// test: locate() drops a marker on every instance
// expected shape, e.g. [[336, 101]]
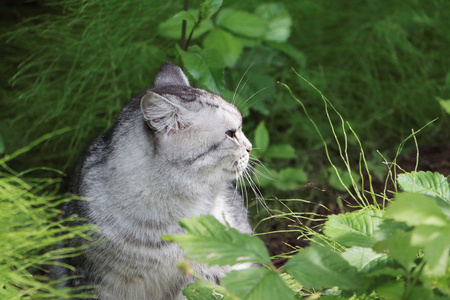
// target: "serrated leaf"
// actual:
[[241, 22], [224, 44], [257, 284], [280, 151], [261, 141], [416, 209], [365, 260], [207, 291], [209, 8], [209, 241], [354, 228], [427, 183], [277, 19], [319, 267], [171, 28]]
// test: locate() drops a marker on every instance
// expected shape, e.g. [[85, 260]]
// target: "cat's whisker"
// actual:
[[256, 93], [253, 103], [237, 95], [239, 83], [256, 191]]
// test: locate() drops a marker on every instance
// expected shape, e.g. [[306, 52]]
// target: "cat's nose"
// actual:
[[249, 149]]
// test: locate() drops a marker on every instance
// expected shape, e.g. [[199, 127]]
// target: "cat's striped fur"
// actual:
[[173, 153]]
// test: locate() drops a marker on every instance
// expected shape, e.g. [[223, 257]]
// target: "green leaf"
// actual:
[[197, 67], [298, 56], [436, 243], [365, 260], [280, 151], [257, 284], [354, 228], [427, 183], [224, 44], [209, 8], [261, 137], [416, 209], [319, 267], [290, 179], [185, 15], [277, 19], [445, 104], [209, 241], [392, 290], [399, 247], [171, 28], [421, 293], [207, 291], [241, 23]]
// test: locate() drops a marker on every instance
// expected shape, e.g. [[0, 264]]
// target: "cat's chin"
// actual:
[[232, 174]]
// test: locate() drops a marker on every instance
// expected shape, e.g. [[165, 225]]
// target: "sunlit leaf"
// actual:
[[399, 248], [257, 284], [207, 291], [209, 8], [277, 19], [416, 209], [365, 259], [319, 267], [427, 183], [435, 240], [445, 104], [209, 241], [224, 44], [354, 228]]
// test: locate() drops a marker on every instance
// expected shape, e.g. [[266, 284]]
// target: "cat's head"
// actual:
[[194, 127]]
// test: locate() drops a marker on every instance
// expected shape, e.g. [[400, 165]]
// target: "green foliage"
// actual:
[[206, 234], [398, 253], [30, 234]]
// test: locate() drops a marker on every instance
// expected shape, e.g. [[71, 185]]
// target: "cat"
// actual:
[[174, 152]]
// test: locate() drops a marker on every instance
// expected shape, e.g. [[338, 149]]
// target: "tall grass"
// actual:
[[78, 68], [30, 233]]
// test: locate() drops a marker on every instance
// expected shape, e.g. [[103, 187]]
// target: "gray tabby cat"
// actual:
[[173, 153]]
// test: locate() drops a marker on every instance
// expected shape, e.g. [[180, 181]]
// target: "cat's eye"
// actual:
[[231, 133]]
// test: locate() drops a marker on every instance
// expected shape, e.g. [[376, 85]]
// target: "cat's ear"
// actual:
[[170, 74], [161, 114]]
